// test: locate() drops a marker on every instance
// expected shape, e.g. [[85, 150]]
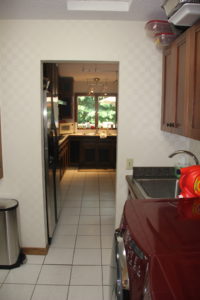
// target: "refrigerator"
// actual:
[[51, 159]]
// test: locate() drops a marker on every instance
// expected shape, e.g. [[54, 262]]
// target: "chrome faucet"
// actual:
[[186, 152]]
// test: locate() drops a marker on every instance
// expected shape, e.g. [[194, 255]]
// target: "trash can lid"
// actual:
[[8, 204]]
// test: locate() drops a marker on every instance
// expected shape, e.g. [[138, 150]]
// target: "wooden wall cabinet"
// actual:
[[66, 90], [174, 80], [193, 83], [50, 72], [181, 85], [1, 161]]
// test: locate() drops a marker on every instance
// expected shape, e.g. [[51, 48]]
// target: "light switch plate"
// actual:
[[129, 163]]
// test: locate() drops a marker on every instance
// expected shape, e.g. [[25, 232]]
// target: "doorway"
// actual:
[[83, 97]]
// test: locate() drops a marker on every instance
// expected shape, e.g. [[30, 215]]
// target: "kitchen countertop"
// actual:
[[84, 135]]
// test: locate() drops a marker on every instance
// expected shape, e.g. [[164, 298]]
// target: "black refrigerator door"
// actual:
[[51, 165]]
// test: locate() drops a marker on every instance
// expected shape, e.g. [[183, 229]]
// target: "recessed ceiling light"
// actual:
[[90, 5]]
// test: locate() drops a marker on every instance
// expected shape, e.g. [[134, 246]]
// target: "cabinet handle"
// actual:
[[170, 124]]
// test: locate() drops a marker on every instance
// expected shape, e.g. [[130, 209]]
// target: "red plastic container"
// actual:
[[154, 27], [164, 39], [189, 182]]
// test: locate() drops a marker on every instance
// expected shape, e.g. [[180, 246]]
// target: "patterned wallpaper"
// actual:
[[23, 44]]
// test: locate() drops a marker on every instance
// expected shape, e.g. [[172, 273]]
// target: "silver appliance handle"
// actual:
[[122, 282]]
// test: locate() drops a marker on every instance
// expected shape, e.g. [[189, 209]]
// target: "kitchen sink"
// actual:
[[157, 187]]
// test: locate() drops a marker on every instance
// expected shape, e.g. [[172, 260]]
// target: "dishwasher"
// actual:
[[119, 278]]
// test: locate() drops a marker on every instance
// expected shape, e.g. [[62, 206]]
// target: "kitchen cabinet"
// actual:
[[1, 162], [181, 85], [88, 152], [92, 151], [193, 84], [50, 73], [74, 150], [63, 156], [174, 80], [98, 153], [65, 88]]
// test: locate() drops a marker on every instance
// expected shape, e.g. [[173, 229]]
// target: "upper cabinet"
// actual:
[[50, 74], [1, 162], [193, 84], [66, 90], [181, 85]]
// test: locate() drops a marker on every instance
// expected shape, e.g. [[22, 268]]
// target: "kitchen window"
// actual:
[[96, 111]]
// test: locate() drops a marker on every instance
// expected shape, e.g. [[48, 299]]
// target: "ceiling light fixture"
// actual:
[[90, 5]]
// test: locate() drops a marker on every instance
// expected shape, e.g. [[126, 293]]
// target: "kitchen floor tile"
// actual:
[[50, 292], [107, 292], [87, 257], [90, 204], [91, 197], [89, 220], [68, 219], [106, 256], [70, 211], [63, 229], [88, 242], [107, 203], [89, 230], [85, 293], [107, 220], [25, 274], [54, 274], [86, 275], [106, 275], [16, 291], [35, 259], [107, 229], [4, 273], [63, 241], [90, 211], [72, 203], [107, 241], [107, 211], [59, 256]]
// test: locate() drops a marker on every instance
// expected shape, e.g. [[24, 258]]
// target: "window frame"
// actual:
[[96, 96]]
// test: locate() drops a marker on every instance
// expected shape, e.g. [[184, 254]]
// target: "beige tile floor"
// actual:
[[77, 264]]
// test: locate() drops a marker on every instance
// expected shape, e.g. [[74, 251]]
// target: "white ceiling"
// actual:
[[137, 10], [89, 71]]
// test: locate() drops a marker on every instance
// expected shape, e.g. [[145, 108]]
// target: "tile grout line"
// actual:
[[70, 277]]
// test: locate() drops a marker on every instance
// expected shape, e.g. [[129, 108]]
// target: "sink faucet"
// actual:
[[186, 152]]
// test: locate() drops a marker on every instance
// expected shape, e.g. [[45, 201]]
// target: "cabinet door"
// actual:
[[174, 76], [168, 97], [180, 88], [104, 155], [88, 155], [1, 162], [74, 151], [50, 72], [193, 85]]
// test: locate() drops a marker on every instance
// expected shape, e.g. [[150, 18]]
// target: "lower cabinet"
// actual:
[[92, 152], [63, 156], [88, 153]]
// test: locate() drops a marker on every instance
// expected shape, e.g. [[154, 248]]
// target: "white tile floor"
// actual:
[[77, 264]]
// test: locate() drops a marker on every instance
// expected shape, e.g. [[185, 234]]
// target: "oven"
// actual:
[[119, 273]]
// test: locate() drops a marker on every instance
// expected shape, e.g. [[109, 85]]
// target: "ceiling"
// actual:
[[137, 10], [91, 72]]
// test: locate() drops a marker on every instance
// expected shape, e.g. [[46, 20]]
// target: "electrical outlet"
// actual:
[[129, 163]]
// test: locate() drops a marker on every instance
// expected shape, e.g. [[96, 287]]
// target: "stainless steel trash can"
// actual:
[[10, 254]]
